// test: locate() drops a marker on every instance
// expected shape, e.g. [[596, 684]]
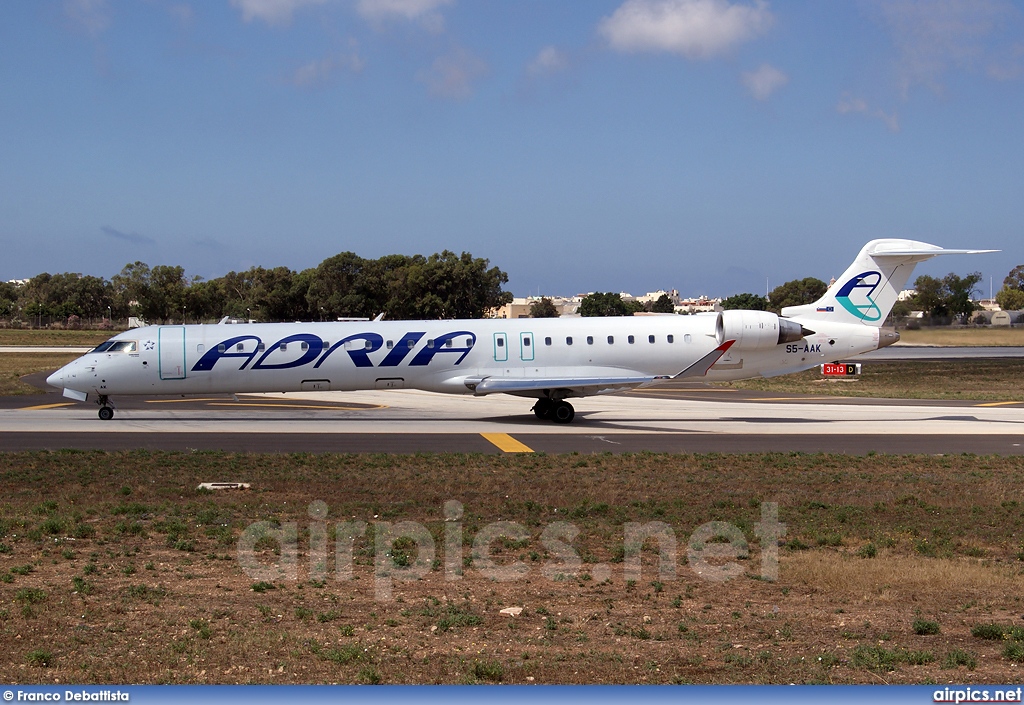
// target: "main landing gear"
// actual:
[[557, 410], [106, 410]]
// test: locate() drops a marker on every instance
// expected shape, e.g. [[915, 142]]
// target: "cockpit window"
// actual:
[[117, 346]]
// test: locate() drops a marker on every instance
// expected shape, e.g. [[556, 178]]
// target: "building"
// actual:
[[520, 306]]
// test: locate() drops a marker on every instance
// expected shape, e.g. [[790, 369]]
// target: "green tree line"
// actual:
[[443, 285]]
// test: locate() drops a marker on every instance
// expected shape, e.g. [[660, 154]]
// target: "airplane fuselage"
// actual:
[[438, 356]]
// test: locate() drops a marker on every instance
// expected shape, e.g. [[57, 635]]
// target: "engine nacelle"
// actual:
[[757, 330]]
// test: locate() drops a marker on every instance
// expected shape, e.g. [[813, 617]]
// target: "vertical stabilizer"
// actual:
[[869, 287]]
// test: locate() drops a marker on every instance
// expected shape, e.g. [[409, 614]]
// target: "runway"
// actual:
[[689, 418]]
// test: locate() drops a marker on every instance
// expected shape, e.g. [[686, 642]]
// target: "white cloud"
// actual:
[[850, 105], [549, 60], [320, 71], [697, 29], [934, 37], [452, 75], [425, 12], [764, 81], [273, 12], [90, 16]]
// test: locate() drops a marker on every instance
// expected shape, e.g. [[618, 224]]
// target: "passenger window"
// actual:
[[568, 341], [631, 340], [670, 338], [650, 339], [200, 348], [448, 343], [369, 345], [501, 342], [687, 338], [221, 348], [547, 341], [390, 344], [590, 340], [304, 346], [430, 342], [412, 344], [240, 347], [261, 347], [611, 340], [469, 342], [283, 346], [526, 342]]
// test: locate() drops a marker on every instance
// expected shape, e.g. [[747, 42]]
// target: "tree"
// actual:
[[960, 292], [1010, 299], [747, 302], [930, 296], [663, 305], [444, 285], [797, 293], [65, 295], [949, 296], [545, 308], [8, 299], [598, 304], [1015, 279]]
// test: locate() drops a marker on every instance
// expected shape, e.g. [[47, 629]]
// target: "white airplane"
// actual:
[[547, 359]]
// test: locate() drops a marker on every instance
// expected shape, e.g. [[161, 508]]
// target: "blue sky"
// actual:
[[630, 145]]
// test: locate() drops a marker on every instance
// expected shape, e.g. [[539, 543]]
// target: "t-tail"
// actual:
[[869, 288]]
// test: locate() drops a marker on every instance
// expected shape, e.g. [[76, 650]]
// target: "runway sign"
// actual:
[[840, 369]]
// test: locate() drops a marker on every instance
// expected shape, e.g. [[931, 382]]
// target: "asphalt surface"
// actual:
[[682, 417]]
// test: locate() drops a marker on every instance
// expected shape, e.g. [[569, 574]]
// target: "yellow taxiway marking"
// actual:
[[507, 443], [1000, 403], [48, 406]]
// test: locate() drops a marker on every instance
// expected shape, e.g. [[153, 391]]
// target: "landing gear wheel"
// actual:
[[106, 413], [563, 412], [543, 408]]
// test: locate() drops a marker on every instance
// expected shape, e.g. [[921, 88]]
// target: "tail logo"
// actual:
[[856, 296]]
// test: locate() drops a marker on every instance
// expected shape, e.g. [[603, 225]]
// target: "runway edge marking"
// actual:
[[507, 443]]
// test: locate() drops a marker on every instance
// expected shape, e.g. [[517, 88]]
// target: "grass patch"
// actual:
[[959, 657], [39, 658], [14, 366], [52, 338], [977, 379], [924, 627]]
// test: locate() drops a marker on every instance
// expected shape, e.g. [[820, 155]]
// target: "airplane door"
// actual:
[[171, 347], [500, 347], [526, 346]]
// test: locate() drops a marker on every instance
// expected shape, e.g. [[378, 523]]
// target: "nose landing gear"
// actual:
[[106, 410]]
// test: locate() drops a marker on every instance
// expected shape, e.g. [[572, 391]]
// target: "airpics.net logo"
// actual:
[[407, 550], [856, 296]]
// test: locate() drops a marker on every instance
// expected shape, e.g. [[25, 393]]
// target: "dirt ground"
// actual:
[[116, 569]]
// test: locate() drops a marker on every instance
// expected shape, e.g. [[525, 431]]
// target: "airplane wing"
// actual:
[[589, 386]]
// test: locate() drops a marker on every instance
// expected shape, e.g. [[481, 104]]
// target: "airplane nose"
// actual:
[[56, 379]]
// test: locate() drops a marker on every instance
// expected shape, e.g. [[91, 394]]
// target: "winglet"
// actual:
[[701, 367]]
